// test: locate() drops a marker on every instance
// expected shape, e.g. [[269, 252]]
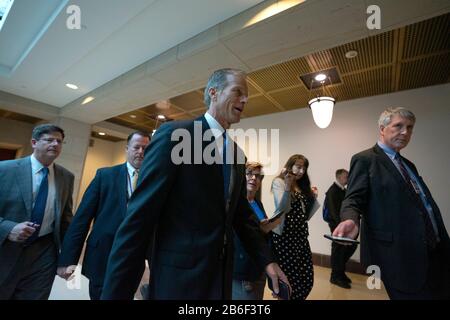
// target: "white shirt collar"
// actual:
[[340, 185], [131, 169], [36, 166], [217, 129]]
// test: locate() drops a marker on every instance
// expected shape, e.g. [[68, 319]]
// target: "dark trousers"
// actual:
[[95, 291], [34, 272], [340, 254], [437, 285]]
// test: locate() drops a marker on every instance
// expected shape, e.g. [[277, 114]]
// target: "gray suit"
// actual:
[[16, 261]]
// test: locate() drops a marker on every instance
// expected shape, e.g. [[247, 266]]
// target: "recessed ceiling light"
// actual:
[[133, 116], [87, 100], [71, 86], [102, 134], [320, 77], [351, 54], [161, 117]]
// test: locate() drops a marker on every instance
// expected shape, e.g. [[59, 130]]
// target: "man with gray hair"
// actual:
[[189, 209], [402, 231]]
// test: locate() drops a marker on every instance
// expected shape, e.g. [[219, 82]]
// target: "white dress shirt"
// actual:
[[47, 225]]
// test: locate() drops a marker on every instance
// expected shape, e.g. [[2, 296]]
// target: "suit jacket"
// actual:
[[16, 202], [105, 203], [244, 266], [183, 207], [333, 199], [392, 227]]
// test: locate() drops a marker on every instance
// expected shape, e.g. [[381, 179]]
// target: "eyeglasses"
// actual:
[[257, 175], [51, 140]]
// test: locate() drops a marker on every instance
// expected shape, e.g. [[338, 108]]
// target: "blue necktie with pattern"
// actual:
[[37, 215]]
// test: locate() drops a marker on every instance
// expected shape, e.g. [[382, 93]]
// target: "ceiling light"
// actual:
[[322, 110], [71, 86], [161, 117], [320, 77], [102, 134], [87, 100], [351, 54], [133, 116]]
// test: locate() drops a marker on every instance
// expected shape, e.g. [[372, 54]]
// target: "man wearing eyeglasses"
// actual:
[[35, 212]]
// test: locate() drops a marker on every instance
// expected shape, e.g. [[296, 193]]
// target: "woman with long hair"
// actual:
[[295, 201]]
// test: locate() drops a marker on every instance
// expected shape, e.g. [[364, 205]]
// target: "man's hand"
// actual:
[[66, 272], [22, 231], [275, 273], [347, 228]]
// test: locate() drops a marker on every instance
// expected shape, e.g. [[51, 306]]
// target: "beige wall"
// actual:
[[16, 135], [101, 154], [353, 129]]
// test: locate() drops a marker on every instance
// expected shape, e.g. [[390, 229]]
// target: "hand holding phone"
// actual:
[[341, 240], [284, 292]]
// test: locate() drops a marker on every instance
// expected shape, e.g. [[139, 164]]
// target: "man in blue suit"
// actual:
[[190, 208], [105, 203]]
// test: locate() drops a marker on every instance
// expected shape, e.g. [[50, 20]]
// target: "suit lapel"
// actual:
[[214, 169], [123, 187], [395, 173], [59, 186], [25, 182]]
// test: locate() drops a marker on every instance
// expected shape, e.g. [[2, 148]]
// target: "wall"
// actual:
[[101, 154], [16, 134], [353, 129]]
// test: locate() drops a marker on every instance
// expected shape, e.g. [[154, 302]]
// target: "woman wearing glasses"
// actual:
[[296, 201], [248, 279]]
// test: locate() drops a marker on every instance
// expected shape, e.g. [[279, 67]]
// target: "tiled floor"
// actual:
[[322, 290]]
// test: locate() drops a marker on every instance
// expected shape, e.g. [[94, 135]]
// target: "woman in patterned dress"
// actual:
[[296, 201]]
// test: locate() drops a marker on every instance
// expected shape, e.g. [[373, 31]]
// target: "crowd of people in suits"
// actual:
[[203, 228]]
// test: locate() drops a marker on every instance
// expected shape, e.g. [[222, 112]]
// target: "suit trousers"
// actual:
[[34, 272], [95, 291], [437, 285], [340, 254]]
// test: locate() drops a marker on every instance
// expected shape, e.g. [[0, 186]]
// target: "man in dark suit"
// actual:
[[35, 211], [340, 254], [105, 203], [190, 205], [402, 230]]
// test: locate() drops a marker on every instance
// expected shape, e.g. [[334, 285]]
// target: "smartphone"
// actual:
[[284, 292], [341, 240]]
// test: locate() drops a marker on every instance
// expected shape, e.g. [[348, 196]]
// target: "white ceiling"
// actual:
[[115, 37], [130, 54]]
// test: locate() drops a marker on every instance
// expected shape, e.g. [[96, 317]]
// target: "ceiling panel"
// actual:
[[425, 72], [406, 58], [281, 75], [258, 106], [427, 37], [292, 98]]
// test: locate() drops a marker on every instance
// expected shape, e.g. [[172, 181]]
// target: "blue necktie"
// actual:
[[429, 230], [225, 168], [37, 215]]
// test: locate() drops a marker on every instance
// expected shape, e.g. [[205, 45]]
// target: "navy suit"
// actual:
[[183, 207], [392, 226], [105, 203]]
